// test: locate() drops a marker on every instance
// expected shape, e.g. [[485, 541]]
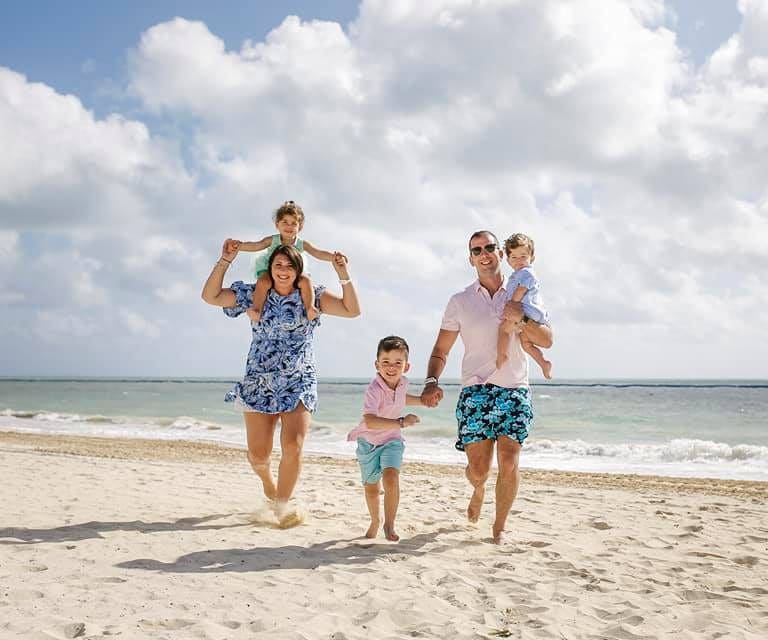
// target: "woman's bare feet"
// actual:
[[389, 533], [499, 536], [546, 369], [262, 470], [373, 530], [288, 514]]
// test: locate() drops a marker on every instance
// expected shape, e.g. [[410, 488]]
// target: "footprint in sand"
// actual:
[[747, 561], [601, 525]]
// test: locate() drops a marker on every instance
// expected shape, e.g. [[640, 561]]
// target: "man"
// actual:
[[494, 405]]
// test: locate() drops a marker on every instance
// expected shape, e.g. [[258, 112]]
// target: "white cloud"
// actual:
[[640, 176]]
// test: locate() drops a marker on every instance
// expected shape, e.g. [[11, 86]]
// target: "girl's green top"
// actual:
[[261, 261]]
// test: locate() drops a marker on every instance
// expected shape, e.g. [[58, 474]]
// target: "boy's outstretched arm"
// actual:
[[377, 423], [259, 245], [413, 401], [321, 254]]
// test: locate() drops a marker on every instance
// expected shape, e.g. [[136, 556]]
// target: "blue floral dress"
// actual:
[[280, 371]]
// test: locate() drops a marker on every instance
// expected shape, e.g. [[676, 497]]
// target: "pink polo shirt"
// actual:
[[384, 402], [476, 316]]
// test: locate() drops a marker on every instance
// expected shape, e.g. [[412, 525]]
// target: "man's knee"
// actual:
[[508, 455]]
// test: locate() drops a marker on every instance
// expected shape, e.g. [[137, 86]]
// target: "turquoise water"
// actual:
[[671, 427]]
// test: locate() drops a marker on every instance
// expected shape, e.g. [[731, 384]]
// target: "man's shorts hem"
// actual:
[[487, 412]]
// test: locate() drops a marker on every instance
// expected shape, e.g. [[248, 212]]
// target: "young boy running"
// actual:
[[379, 437]]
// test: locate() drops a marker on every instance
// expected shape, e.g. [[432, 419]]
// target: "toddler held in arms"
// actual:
[[523, 287], [379, 435], [289, 221]]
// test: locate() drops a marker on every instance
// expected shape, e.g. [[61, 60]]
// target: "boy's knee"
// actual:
[[390, 475], [372, 490]]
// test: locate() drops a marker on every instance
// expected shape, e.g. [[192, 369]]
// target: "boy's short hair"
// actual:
[[518, 240], [289, 208], [392, 343]]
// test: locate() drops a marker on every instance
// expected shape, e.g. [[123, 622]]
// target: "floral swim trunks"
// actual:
[[485, 411]]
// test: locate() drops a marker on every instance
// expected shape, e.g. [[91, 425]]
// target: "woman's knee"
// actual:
[[259, 458], [292, 448]]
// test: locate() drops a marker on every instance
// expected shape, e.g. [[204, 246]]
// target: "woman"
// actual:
[[280, 377]]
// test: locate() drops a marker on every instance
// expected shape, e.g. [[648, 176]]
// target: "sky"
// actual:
[[627, 137]]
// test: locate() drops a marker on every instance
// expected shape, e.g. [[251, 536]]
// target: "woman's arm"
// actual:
[[213, 293], [348, 305]]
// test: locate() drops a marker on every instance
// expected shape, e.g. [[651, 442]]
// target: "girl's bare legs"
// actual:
[[308, 297], [391, 481], [536, 353], [372, 492], [263, 285], [260, 430], [295, 426]]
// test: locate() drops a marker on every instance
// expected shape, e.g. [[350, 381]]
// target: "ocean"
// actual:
[[692, 428]]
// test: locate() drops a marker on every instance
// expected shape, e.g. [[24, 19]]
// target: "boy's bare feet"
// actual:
[[389, 533], [373, 530], [546, 369], [254, 314], [312, 313]]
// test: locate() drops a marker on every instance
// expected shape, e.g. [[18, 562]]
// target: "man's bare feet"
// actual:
[[389, 533], [253, 313], [476, 504], [546, 369], [373, 530]]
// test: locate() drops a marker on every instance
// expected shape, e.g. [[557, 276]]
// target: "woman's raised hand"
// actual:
[[340, 262], [230, 249]]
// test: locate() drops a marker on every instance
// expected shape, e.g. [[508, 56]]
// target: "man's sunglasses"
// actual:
[[489, 248]]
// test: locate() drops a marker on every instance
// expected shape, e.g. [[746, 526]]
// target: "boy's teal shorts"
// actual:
[[374, 459]]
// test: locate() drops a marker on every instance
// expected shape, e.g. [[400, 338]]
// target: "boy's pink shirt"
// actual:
[[383, 402], [475, 315]]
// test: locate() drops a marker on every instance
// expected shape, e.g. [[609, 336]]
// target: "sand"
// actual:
[[144, 539]]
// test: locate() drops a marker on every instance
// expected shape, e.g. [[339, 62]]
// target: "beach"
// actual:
[[103, 537]]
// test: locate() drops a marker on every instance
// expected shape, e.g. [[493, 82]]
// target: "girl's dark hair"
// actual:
[[293, 256]]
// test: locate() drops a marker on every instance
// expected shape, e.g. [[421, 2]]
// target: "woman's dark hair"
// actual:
[[293, 255]]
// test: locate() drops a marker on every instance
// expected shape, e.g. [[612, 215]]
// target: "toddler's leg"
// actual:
[[391, 478], [502, 348], [308, 297], [372, 492], [536, 353], [263, 284]]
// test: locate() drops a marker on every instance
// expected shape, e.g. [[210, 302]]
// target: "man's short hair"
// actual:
[[482, 232], [392, 343]]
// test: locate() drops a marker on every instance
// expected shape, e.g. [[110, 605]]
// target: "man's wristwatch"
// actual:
[[430, 380]]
